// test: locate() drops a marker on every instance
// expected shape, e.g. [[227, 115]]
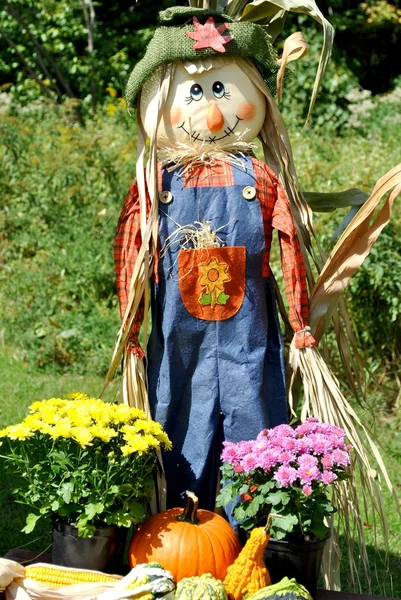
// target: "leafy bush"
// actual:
[[61, 192], [331, 109], [375, 298], [48, 39]]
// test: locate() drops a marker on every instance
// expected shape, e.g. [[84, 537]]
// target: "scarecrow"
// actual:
[[215, 358], [193, 243]]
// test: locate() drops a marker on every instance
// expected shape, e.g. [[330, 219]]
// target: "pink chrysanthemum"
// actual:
[[268, 459], [320, 443], [229, 453], [263, 434], [308, 474], [285, 476], [340, 457], [307, 462], [304, 445], [249, 463], [282, 431], [310, 426], [328, 477], [244, 448], [327, 461], [286, 457], [307, 489]]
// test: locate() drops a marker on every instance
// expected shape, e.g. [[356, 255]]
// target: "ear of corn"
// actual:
[[248, 573], [55, 576]]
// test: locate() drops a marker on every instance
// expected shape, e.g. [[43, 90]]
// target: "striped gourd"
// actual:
[[150, 581], [286, 589], [203, 587]]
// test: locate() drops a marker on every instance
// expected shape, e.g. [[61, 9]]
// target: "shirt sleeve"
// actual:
[[293, 268], [127, 244]]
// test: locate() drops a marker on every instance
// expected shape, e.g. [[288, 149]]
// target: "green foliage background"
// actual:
[[61, 191], [67, 149]]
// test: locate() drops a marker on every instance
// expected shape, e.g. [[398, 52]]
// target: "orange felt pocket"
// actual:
[[212, 281]]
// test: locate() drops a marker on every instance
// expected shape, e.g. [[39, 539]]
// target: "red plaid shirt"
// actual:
[[276, 214]]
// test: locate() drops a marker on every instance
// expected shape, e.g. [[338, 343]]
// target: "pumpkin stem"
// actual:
[[189, 513]]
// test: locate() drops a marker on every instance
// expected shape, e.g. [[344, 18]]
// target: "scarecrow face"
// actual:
[[208, 110]]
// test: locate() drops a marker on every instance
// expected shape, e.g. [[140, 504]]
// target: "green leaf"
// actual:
[[278, 497], [55, 505], [285, 522], [123, 490], [93, 509], [255, 505], [66, 491], [137, 511], [31, 521], [330, 201], [226, 495], [319, 529], [241, 511], [227, 471], [266, 487]]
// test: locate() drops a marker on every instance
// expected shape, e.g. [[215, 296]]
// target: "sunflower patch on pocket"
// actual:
[[212, 281]]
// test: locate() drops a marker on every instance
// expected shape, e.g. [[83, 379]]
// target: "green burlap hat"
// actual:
[[170, 43]]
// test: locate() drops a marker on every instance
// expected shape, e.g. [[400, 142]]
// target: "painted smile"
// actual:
[[212, 139]]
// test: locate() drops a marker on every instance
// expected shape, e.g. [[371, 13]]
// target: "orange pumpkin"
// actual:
[[187, 542]]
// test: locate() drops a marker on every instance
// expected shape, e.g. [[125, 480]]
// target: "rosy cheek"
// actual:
[[174, 117], [246, 111]]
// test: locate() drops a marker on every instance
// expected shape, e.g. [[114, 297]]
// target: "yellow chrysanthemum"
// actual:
[[59, 431], [136, 442], [151, 440], [165, 440], [127, 450], [77, 396], [19, 432], [144, 425], [103, 433], [4, 432], [82, 435], [125, 414]]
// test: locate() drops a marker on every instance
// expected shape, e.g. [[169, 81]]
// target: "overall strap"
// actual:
[[243, 172]]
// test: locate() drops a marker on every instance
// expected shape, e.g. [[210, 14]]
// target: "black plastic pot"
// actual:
[[104, 551], [295, 558]]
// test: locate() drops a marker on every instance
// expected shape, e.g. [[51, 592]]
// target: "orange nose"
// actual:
[[215, 119]]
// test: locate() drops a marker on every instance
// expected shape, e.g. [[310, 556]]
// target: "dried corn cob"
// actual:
[[55, 576]]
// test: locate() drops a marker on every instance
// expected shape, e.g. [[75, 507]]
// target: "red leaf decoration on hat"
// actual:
[[208, 35]]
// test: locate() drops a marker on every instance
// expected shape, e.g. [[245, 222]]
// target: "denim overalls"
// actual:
[[213, 380]]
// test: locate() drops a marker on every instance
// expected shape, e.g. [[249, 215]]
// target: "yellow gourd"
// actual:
[[248, 573]]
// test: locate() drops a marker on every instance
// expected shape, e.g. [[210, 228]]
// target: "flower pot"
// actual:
[[295, 558], [103, 551]]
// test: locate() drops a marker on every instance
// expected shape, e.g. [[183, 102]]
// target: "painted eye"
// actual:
[[196, 92], [218, 89]]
